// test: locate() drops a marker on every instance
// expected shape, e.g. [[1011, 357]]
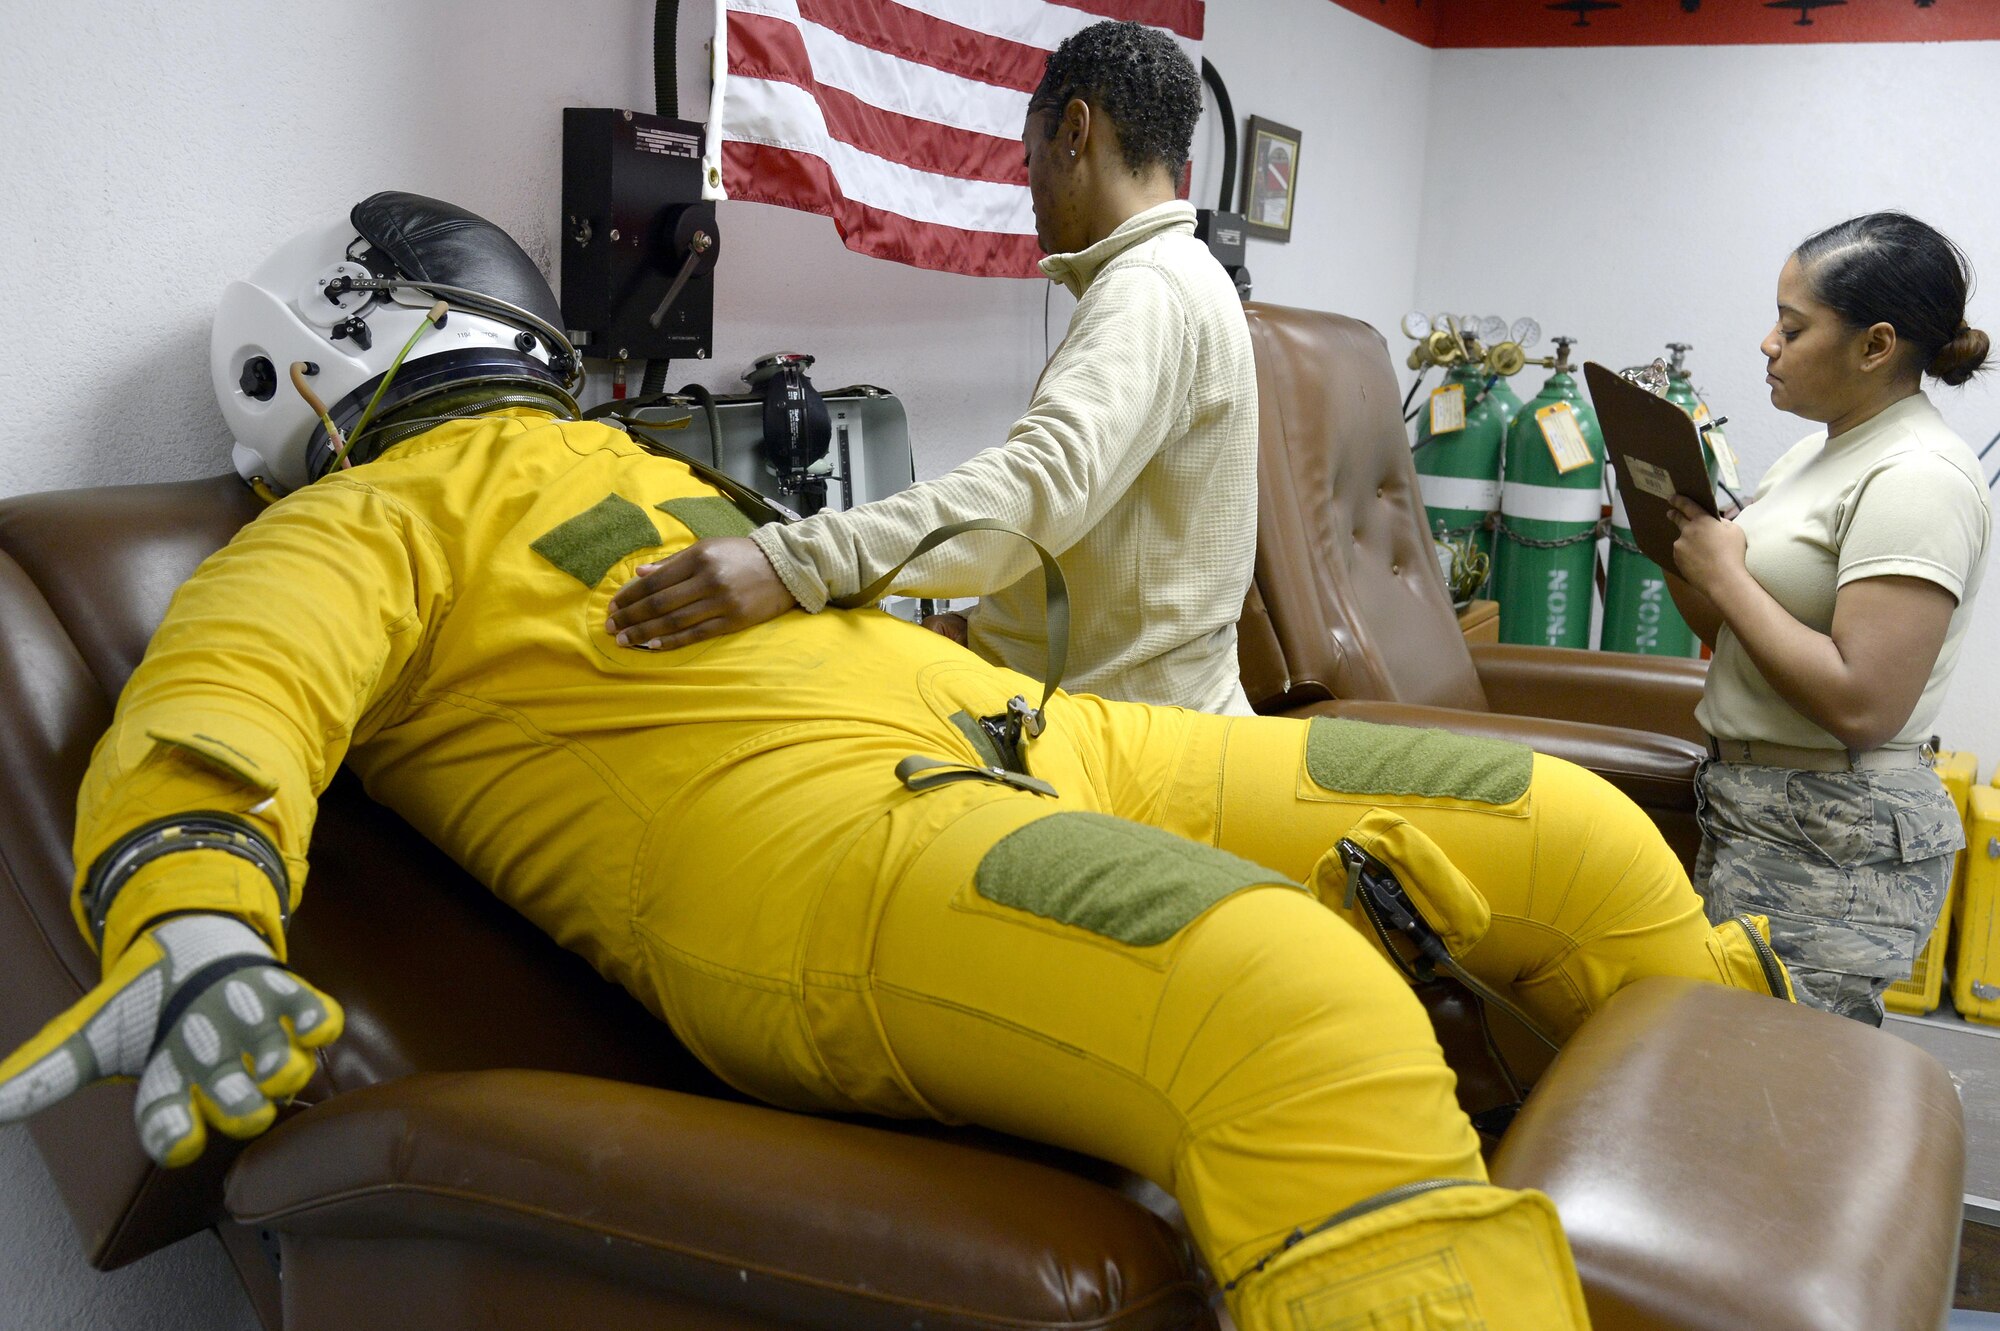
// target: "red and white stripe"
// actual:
[[900, 121]]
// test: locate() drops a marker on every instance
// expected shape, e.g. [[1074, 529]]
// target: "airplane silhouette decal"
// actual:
[[1806, 7], [1583, 9]]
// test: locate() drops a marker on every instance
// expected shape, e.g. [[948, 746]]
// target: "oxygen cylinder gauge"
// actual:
[[1462, 425], [1439, 341], [1487, 341], [1506, 353], [1505, 358]]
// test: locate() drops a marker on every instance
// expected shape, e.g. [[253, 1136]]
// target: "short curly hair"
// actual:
[[1137, 75]]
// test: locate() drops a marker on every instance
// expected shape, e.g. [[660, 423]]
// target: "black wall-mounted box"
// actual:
[[628, 179], [1223, 233]]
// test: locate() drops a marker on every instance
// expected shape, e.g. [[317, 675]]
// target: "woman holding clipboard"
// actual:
[[1836, 604]]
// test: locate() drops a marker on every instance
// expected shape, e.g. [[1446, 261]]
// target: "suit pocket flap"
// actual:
[[216, 752]]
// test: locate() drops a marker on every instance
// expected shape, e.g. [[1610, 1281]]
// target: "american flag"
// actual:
[[900, 121]]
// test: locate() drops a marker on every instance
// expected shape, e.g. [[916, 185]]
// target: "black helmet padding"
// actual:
[[434, 241]]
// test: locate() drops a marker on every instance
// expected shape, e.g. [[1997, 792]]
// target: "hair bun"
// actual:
[[1962, 357]]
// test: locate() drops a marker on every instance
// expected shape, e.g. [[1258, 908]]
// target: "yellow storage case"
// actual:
[[1925, 987], [1975, 980]]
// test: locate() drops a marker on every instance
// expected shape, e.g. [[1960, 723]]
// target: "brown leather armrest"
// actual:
[[1604, 688], [1722, 1161], [768, 1215], [1656, 771]]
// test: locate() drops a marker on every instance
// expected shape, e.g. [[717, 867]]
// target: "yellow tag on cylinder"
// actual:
[[1447, 409], [1725, 459], [1568, 449]]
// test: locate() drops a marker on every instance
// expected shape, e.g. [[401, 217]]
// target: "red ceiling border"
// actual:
[[1459, 24], [1414, 19]]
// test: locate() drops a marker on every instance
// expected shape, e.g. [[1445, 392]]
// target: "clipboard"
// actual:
[[1656, 453]]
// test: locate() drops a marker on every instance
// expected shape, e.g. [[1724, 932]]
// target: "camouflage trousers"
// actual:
[[1850, 867]]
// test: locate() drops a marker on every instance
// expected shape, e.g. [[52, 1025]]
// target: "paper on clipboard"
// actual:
[[1655, 451]]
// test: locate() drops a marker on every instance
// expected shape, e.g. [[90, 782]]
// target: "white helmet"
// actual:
[[345, 299]]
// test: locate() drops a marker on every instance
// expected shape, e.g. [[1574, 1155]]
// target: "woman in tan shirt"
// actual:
[[1135, 462], [1837, 603]]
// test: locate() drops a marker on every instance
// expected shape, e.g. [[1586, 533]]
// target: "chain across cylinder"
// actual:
[[1458, 462], [1551, 508]]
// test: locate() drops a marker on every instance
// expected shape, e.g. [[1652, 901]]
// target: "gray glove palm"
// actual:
[[200, 1011]]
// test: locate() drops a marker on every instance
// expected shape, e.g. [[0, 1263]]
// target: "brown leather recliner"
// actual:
[[502, 1140], [1349, 615]]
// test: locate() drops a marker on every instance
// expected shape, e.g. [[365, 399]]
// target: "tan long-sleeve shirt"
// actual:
[[1136, 463]]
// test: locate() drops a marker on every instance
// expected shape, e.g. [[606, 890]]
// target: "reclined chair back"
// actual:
[[436, 974], [1348, 601]]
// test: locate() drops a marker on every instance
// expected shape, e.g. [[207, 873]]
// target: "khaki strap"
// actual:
[[919, 774], [1055, 595], [760, 509]]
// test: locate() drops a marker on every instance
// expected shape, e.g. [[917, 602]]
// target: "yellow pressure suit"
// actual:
[[721, 830]]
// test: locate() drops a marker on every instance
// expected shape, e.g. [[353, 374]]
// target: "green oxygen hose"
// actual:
[[430, 321]]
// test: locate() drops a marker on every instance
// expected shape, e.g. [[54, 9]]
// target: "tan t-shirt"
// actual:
[[1899, 494]]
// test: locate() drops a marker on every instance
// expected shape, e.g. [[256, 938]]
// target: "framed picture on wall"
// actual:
[[1270, 179]]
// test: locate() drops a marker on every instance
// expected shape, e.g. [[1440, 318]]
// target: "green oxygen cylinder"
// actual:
[[1459, 435], [1549, 509], [1504, 399], [1721, 458], [1680, 392], [1639, 612]]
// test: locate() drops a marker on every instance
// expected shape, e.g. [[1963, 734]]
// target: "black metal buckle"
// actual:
[[1389, 909], [1010, 729]]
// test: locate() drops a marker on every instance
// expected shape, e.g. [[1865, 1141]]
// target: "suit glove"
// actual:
[[201, 1012]]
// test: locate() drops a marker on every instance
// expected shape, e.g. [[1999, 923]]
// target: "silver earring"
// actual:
[[1072, 152]]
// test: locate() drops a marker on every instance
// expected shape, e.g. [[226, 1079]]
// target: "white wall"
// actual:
[[1359, 97], [152, 152], [44, 1283], [1637, 196]]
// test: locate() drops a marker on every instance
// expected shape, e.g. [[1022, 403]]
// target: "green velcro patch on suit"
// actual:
[[975, 735], [1359, 758], [588, 544], [708, 515], [1122, 880]]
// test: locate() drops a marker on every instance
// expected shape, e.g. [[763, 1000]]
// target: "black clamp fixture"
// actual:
[[1221, 228], [797, 427]]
